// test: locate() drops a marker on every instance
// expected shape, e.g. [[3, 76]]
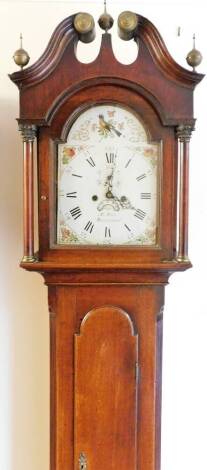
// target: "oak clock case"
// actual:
[[113, 227]]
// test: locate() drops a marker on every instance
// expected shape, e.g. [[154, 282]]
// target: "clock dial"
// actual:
[[108, 180]]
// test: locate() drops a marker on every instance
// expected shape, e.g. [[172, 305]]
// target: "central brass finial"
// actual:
[[105, 21]]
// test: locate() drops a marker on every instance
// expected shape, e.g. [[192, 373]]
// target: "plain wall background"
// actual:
[[24, 330]]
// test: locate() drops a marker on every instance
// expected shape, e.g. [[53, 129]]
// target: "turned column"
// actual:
[[183, 134], [28, 132]]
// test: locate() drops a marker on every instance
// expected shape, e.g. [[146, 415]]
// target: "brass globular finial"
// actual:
[[21, 57], [127, 25], [85, 26], [194, 57], [105, 21]]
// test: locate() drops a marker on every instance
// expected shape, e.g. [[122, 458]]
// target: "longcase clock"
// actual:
[[113, 226]]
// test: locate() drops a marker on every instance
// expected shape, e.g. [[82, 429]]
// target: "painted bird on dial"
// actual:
[[107, 126]]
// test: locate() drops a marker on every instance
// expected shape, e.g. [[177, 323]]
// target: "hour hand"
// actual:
[[109, 194]]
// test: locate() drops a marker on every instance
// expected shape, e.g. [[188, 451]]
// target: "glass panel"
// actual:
[[108, 180]]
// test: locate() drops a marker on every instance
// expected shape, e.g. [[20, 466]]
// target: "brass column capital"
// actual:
[[184, 132], [28, 131]]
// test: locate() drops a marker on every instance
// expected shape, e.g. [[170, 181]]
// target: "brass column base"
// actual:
[[29, 259], [182, 259]]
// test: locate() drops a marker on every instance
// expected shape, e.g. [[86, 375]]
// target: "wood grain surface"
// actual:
[[106, 303]]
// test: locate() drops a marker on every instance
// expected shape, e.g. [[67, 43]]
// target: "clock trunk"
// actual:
[[105, 400]]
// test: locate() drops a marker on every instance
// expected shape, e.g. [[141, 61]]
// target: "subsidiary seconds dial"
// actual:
[[108, 180]]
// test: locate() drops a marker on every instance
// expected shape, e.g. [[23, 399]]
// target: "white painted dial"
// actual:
[[107, 180]]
